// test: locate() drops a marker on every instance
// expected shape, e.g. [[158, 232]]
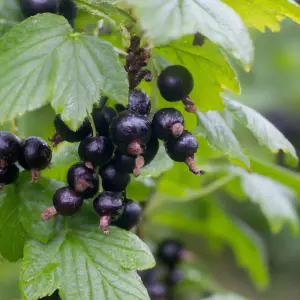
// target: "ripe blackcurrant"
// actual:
[[33, 7], [156, 291], [35, 155], [109, 207], [120, 107], [151, 149], [64, 133], [130, 131], [174, 277], [139, 102], [183, 150], [112, 180], [170, 252], [95, 151], [9, 149], [8, 175], [84, 181], [131, 216], [168, 123], [68, 9], [175, 83], [124, 163], [102, 118]]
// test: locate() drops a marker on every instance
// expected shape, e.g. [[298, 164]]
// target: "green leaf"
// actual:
[[210, 68], [212, 18], [220, 137], [12, 234], [86, 264], [264, 131], [52, 60]]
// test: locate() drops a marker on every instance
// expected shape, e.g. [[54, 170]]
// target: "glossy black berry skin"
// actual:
[[35, 154], [96, 150], [68, 9], [175, 83], [102, 118], [131, 216], [9, 174], [124, 163], [33, 7], [163, 121], [129, 126], [112, 180], [169, 252], [83, 180], [109, 203], [69, 135], [66, 202], [183, 147], [139, 101], [151, 149], [9, 148]]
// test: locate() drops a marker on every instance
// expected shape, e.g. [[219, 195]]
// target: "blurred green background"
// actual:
[[273, 88]]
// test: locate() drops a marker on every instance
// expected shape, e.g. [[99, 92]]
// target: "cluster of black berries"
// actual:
[[33, 154], [170, 253], [66, 8]]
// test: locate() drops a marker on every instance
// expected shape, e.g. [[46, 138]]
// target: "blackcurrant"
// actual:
[[84, 181], [109, 207], [120, 107], [183, 150], [54, 296], [102, 118], [156, 291], [124, 163], [174, 277], [151, 149], [35, 155], [169, 252], [64, 133], [139, 102], [168, 123], [95, 151], [130, 131], [68, 9], [33, 7], [9, 148], [112, 180], [175, 83], [131, 216], [8, 175]]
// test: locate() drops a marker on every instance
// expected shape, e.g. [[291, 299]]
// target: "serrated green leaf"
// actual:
[[212, 18], [264, 131], [220, 137], [209, 67], [69, 70], [12, 234], [86, 264]]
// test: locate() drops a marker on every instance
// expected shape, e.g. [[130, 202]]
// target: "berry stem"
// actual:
[[139, 163], [189, 104], [14, 125], [177, 129], [35, 175], [91, 120], [104, 223], [49, 213], [190, 161]]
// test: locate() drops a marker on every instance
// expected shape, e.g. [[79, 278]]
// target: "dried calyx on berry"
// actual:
[[64, 133], [112, 180], [175, 84], [131, 216], [9, 149], [84, 181], [95, 151], [102, 119], [8, 175], [35, 155], [130, 132], [139, 102], [65, 202], [109, 207], [183, 150], [168, 123]]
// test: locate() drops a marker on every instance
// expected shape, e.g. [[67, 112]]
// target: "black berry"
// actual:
[[54, 296], [174, 277], [102, 118], [131, 216], [95, 150], [8, 175], [9, 148], [33, 7], [84, 181], [112, 180], [151, 149], [168, 123], [169, 252], [124, 163], [109, 207], [139, 102], [175, 83], [130, 131], [68, 9], [35, 155], [183, 150], [120, 107], [156, 291]]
